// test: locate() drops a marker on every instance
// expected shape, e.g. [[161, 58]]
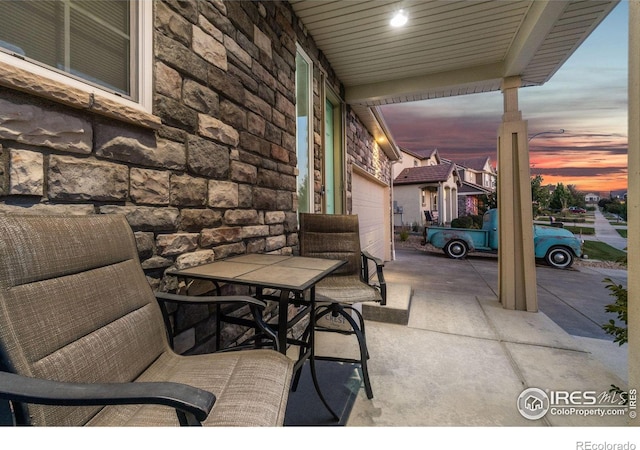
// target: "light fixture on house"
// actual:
[[399, 19]]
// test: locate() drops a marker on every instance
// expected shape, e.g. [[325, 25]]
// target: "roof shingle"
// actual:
[[424, 174]]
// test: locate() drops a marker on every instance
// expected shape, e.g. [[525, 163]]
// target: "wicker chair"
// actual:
[[338, 237], [80, 328]]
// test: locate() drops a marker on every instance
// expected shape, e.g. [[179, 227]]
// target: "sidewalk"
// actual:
[[463, 360], [605, 232]]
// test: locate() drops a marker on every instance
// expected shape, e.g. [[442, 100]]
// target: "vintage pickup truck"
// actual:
[[556, 246]]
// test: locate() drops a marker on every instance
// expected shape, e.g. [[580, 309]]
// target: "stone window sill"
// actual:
[[25, 81]]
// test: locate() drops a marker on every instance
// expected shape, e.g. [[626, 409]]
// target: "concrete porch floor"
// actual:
[[463, 360]]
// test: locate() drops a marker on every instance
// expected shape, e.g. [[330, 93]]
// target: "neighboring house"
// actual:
[[431, 187], [409, 159], [478, 179], [478, 172], [471, 199], [422, 183], [618, 195], [209, 125], [551, 188], [591, 198]]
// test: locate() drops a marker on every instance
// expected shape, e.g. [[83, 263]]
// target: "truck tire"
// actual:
[[559, 257], [456, 249]]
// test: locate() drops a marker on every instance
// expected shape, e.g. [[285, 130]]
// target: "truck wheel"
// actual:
[[559, 257], [456, 249]]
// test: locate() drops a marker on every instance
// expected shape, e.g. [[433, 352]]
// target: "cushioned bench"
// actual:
[[83, 342]]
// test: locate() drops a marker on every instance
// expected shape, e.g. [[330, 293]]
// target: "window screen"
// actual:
[[90, 39], [304, 132]]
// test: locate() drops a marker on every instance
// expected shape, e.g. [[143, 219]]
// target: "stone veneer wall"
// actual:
[[363, 151], [216, 178]]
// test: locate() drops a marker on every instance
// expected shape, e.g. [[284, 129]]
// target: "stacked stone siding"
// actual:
[[363, 151], [213, 175]]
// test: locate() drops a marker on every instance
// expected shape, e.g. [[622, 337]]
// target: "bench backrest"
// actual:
[[75, 305], [332, 236]]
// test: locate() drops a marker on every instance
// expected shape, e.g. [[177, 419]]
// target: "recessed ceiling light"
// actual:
[[399, 19]]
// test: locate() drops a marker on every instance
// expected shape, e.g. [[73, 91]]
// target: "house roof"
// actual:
[[412, 153], [424, 154], [476, 164], [472, 189], [447, 48], [425, 174]]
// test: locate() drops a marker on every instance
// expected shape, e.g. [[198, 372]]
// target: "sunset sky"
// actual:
[[587, 98]]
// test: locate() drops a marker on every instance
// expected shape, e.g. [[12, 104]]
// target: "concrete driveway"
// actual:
[[575, 298], [463, 360]]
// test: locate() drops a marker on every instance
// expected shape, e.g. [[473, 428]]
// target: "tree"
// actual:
[[617, 207], [560, 197], [539, 194], [576, 197]]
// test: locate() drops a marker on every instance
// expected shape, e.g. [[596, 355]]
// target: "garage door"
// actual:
[[370, 201]]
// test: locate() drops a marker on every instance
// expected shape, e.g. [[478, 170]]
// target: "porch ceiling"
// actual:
[[447, 48]]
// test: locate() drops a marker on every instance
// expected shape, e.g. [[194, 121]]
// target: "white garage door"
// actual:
[[370, 201]]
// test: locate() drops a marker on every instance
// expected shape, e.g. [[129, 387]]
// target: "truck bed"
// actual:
[[476, 239]]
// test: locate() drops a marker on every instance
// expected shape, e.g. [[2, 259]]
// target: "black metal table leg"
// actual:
[[312, 359]]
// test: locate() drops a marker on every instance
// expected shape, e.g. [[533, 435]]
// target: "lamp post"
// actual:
[[560, 131]]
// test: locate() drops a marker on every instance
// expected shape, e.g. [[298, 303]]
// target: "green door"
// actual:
[[329, 160]]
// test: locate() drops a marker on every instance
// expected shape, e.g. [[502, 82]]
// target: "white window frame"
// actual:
[[339, 158], [310, 156], [143, 64]]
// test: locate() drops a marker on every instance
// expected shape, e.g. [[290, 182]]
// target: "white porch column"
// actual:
[[447, 195], [455, 212], [633, 201], [441, 207], [516, 263]]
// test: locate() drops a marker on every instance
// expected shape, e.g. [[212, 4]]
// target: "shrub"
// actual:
[[619, 307], [477, 221], [462, 222]]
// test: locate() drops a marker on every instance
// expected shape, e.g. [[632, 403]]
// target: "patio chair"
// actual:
[[338, 237], [83, 341]]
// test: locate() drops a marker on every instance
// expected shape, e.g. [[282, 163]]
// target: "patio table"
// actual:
[[294, 276]]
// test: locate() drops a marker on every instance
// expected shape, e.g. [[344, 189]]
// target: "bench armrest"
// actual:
[[382, 285], [192, 404], [255, 305], [210, 299], [369, 256]]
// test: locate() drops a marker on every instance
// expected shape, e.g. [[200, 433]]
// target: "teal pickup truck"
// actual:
[[556, 246]]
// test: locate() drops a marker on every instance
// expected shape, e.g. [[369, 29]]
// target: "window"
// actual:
[[329, 159], [304, 131], [333, 154], [94, 45]]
